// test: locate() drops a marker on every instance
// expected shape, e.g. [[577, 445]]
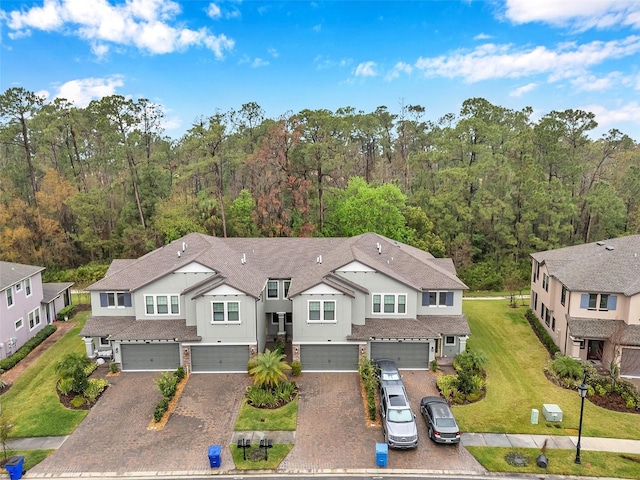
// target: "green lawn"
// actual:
[[560, 462], [31, 404], [516, 382], [283, 418]]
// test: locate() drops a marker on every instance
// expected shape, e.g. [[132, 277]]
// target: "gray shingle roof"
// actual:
[[295, 258], [604, 329], [424, 326], [610, 266], [128, 328], [11, 273], [51, 290]]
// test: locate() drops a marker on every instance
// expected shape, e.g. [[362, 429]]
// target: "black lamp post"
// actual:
[[582, 390]]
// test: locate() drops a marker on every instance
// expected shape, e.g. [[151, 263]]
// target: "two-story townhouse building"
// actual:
[[27, 304], [588, 298], [210, 304]]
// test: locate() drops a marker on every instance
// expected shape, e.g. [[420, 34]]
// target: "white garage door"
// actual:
[[405, 354], [150, 356], [329, 357], [219, 358], [630, 362]]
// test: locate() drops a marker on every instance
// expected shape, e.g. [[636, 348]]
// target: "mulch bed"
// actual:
[[66, 400]]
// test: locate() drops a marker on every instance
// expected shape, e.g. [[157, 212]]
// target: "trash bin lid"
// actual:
[[15, 460], [214, 449], [381, 448]]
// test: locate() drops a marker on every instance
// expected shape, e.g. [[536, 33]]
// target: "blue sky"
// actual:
[[195, 58]]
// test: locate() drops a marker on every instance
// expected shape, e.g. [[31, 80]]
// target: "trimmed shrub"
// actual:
[[296, 369], [89, 369], [161, 409], [11, 361], [542, 333], [113, 367], [65, 313], [95, 387], [167, 384], [78, 401]]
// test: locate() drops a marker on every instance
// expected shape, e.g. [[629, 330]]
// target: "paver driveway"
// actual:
[[332, 429]]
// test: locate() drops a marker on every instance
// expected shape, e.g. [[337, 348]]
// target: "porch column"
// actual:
[[463, 343], [88, 346], [281, 330]]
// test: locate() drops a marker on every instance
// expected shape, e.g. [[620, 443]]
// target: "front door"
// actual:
[[594, 350]]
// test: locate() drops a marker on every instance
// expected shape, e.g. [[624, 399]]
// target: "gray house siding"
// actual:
[[310, 331]]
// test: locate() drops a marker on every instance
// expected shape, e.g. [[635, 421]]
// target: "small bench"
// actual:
[[104, 353]]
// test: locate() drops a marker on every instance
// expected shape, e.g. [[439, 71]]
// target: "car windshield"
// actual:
[[445, 422], [400, 415], [390, 376]]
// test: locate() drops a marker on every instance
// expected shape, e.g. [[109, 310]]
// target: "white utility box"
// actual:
[[551, 412]]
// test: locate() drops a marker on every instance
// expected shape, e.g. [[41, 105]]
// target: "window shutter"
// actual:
[[613, 300], [103, 299], [127, 299], [584, 300], [449, 299], [425, 299]]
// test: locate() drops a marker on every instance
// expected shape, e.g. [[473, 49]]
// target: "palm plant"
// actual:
[[73, 366], [268, 369]]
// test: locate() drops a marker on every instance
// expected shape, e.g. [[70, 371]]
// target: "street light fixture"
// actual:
[[582, 390]]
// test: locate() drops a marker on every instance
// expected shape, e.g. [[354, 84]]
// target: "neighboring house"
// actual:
[[210, 304], [27, 304], [588, 298]]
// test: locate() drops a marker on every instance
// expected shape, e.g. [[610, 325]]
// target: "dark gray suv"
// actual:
[[398, 420], [387, 372]]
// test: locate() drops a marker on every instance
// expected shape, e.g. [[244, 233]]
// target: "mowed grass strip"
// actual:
[[516, 382], [31, 404], [560, 462], [268, 419]]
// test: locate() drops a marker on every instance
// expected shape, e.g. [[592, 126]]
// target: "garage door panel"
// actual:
[[630, 362], [150, 356], [405, 354], [329, 357], [219, 358]]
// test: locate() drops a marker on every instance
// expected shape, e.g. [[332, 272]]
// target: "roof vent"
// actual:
[[319, 259], [243, 260], [184, 246], [179, 253], [379, 247], [609, 247], [600, 243]]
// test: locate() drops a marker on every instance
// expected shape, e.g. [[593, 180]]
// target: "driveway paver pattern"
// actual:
[[332, 435]]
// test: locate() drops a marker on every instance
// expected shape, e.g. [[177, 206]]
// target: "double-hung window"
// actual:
[[389, 303], [286, 284], [115, 299], [19, 323], [27, 286], [34, 318], [563, 297], [595, 301], [545, 282], [322, 311], [437, 299], [225, 312], [9, 294], [162, 304], [272, 289]]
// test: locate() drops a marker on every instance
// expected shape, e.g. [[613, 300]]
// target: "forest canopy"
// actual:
[[486, 186]]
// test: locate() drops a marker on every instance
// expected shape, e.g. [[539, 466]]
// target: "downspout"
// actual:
[[566, 320]]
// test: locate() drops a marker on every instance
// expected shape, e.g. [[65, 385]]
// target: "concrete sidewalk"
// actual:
[[468, 439]]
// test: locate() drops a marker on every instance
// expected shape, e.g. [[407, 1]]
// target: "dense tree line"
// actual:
[[486, 186]]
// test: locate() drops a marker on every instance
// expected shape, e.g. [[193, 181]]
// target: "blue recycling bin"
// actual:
[[382, 452], [14, 467], [214, 455]]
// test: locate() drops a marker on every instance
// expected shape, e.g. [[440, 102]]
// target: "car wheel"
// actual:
[[431, 434]]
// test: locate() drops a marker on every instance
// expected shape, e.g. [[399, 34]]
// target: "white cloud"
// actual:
[[273, 52], [148, 25], [80, 92], [398, 69], [259, 62], [491, 61], [583, 14], [482, 36], [366, 69], [518, 92], [99, 49], [323, 62], [591, 83], [213, 11], [606, 117]]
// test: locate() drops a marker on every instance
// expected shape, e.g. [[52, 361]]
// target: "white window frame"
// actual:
[[34, 319], [155, 304], [225, 311], [19, 321], [27, 286], [447, 343], [277, 290], [18, 287], [396, 303], [441, 298], [286, 285], [8, 295], [116, 297], [323, 311], [104, 342]]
